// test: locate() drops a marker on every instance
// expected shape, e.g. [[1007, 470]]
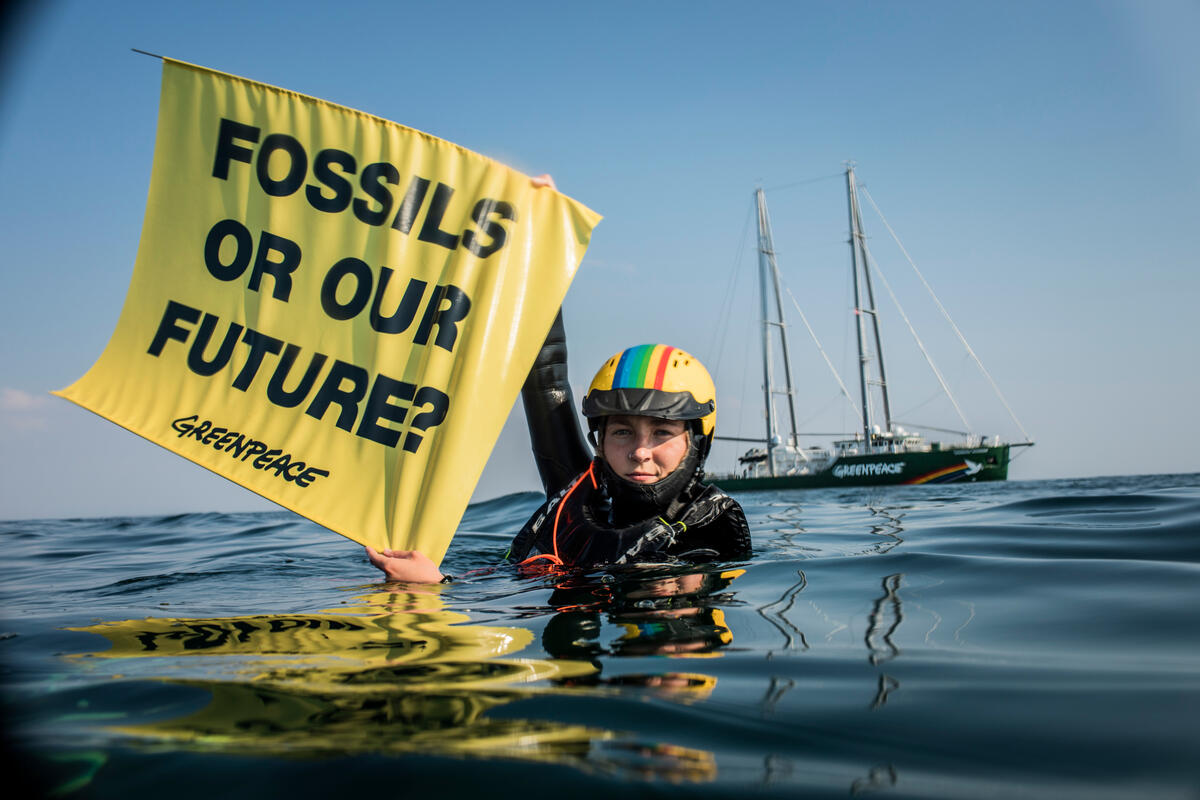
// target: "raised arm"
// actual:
[[559, 447]]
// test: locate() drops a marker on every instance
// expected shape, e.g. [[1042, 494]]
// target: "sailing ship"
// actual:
[[880, 451]]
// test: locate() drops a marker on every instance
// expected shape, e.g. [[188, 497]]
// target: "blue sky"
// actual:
[[1038, 161]]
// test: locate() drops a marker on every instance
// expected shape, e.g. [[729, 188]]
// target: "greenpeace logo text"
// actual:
[[242, 447], [872, 468]]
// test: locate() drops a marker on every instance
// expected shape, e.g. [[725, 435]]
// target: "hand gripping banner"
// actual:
[[330, 309]]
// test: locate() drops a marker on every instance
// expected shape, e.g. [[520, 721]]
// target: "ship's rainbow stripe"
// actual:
[[942, 475], [642, 367]]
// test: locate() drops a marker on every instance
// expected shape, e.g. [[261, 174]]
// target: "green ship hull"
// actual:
[[950, 465]]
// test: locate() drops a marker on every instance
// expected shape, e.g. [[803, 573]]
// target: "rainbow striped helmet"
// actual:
[[653, 380]]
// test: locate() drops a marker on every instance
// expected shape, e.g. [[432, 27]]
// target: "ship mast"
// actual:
[[769, 272], [862, 279]]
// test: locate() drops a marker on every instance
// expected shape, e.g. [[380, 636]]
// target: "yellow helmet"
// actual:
[[653, 380]]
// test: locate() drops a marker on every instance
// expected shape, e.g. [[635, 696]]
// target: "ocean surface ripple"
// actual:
[[1029, 638]]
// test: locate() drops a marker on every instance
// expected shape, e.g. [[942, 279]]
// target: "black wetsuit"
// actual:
[[591, 516]]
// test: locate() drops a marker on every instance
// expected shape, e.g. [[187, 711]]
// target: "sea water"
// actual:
[[1020, 639]]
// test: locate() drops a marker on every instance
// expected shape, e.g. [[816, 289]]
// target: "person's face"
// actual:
[[644, 449]]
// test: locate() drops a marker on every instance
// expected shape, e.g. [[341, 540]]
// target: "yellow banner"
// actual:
[[330, 309]]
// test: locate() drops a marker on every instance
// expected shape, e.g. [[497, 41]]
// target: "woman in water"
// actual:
[[651, 412]]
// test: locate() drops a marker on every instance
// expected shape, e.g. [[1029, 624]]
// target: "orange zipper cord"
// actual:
[[553, 558]]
